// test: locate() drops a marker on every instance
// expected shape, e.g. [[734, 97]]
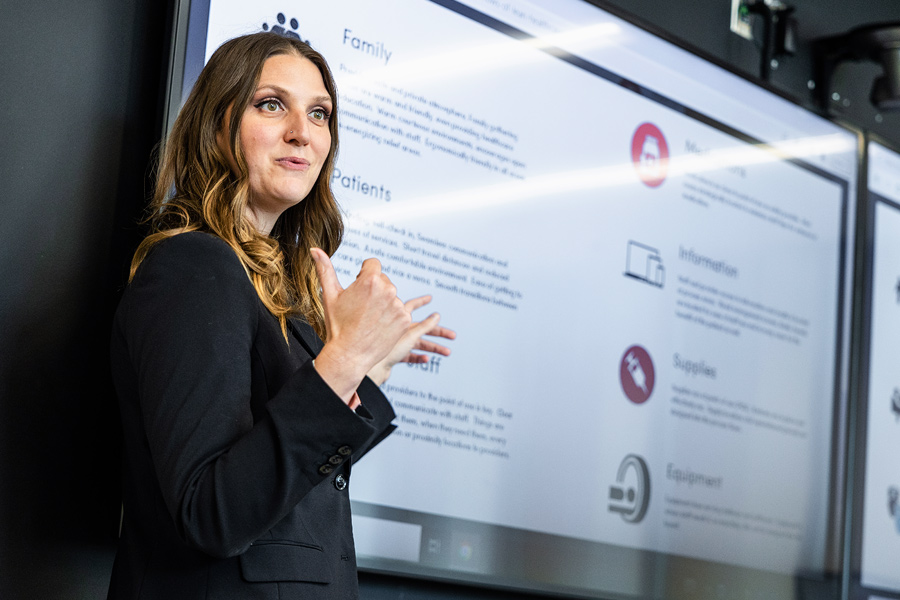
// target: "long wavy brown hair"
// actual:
[[197, 190]]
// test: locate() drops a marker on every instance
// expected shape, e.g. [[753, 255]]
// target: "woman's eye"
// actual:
[[269, 105], [319, 114]]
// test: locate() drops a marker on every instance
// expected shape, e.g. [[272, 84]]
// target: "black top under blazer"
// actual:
[[237, 454]]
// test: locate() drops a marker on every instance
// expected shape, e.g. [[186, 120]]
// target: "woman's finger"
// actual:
[[415, 358], [331, 287], [433, 347], [415, 303], [442, 332]]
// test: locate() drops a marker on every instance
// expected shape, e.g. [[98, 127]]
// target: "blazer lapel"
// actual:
[[304, 333]]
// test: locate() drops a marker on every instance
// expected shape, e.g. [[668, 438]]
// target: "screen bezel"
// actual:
[[858, 429]]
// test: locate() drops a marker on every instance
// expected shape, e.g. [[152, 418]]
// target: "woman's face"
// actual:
[[284, 136]]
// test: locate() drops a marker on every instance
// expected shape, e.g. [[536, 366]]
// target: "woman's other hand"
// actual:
[[413, 340]]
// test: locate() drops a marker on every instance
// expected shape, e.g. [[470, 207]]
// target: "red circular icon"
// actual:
[[650, 154], [636, 374]]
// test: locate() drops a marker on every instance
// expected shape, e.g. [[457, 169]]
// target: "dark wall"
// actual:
[[703, 25], [79, 85], [80, 98]]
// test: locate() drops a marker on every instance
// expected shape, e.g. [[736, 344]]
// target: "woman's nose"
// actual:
[[298, 132]]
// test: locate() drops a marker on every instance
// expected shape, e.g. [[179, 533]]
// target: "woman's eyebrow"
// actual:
[[272, 88], [277, 89]]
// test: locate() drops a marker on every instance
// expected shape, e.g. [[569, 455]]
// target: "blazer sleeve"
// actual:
[[376, 408], [189, 325], [375, 405]]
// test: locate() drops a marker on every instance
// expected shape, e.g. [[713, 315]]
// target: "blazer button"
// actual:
[[336, 460], [326, 469], [340, 482], [345, 450]]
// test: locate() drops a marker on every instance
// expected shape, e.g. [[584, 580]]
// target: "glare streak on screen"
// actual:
[[649, 300]]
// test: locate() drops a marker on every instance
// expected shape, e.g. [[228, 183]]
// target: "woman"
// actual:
[[238, 444]]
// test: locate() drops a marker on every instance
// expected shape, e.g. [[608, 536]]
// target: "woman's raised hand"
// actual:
[[369, 329], [364, 322]]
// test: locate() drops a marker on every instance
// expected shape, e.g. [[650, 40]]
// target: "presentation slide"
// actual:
[[650, 301], [880, 542]]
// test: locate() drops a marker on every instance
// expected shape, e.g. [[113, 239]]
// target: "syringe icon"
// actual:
[[636, 371]]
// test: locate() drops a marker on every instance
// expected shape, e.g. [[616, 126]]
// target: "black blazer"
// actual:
[[237, 454]]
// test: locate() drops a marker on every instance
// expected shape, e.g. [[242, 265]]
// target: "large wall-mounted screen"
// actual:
[[876, 544], [647, 261]]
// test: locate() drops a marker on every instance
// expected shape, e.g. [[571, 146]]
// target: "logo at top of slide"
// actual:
[[636, 374], [650, 154], [281, 30]]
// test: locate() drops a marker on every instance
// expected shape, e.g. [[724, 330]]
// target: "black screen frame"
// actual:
[[868, 200]]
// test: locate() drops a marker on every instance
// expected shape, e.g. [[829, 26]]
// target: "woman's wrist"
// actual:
[[379, 374], [339, 371]]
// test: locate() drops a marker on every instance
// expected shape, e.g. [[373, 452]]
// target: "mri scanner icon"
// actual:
[[631, 496]]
